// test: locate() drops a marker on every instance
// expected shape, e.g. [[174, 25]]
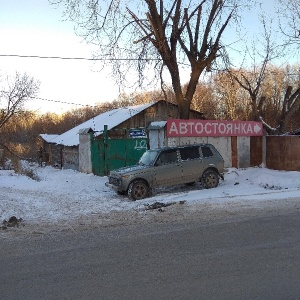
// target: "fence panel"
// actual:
[[116, 153], [256, 151], [283, 153]]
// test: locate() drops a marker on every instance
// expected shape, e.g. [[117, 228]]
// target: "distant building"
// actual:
[[64, 148]]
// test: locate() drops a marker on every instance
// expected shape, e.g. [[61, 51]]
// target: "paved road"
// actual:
[[233, 258]]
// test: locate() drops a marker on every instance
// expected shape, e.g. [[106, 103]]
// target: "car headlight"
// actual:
[[115, 181]]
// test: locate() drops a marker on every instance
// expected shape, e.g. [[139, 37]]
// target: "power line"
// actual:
[[64, 102], [104, 105], [96, 59], [77, 58], [85, 58], [56, 101]]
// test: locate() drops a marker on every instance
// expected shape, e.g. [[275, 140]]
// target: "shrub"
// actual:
[[24, 168]]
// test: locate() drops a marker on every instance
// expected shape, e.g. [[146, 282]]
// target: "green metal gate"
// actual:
[[113, 153]]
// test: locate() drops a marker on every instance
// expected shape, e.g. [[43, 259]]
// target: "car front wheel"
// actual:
[[138, 190], [210, 179]]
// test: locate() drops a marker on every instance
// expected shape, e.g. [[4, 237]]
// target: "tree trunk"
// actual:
[[184, 101], [290, 106], [183, 107]]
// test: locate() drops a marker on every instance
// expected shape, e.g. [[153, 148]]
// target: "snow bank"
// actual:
[[68, 195]]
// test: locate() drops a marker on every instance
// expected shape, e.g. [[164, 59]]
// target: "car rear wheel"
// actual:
[[138, 190], [210, 179]]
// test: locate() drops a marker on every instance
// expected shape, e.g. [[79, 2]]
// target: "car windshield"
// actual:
[[148, 158]]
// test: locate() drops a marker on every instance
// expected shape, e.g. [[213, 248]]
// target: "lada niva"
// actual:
[[169, 166]]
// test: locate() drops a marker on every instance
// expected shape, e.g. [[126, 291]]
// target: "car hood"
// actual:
[[130, 169]]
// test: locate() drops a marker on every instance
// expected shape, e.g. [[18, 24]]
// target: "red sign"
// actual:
[[178, 127]]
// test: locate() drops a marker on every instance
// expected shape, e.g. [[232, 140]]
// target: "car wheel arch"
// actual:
[[138, 179], [212, 168]]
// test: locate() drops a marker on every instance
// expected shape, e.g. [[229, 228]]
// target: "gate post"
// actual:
[[85, 150], [105, 149]]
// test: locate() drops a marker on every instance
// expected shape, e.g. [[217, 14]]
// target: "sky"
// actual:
[[36, 28], [86, 199]]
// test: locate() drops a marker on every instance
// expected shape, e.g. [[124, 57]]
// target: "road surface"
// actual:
[[237, 257]]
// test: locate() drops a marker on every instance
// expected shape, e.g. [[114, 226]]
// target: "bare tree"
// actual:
[[277, 106], [233, 101], [252, 81], [160, 38], [289, 16], [204, 100], [290, 107], [14, 93]]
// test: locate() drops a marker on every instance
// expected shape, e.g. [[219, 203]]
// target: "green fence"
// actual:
[[113, 153]]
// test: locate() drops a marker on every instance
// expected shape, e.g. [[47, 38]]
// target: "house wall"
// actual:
[[55, 155], [70, 158], [78, 158], [85, 154], [160, 111]]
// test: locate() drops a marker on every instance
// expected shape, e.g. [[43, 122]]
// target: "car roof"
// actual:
[[180, 147]]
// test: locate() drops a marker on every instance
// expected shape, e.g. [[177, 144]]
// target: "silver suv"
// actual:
[[169, 166]]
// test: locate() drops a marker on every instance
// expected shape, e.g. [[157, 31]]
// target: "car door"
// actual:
[[168, 170], [208, 156], [191, 164]]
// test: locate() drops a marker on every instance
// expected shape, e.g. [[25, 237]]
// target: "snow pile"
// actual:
[[70, 195]]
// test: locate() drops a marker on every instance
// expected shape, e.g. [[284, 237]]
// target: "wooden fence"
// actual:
[[283, 152], [276, 152]]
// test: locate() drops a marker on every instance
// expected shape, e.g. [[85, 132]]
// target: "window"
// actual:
[[189, 153], [148, 158], [167, 157], [206, 151]]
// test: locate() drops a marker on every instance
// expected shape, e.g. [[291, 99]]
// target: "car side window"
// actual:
[[167, 157], [206, 151], [189, 153]]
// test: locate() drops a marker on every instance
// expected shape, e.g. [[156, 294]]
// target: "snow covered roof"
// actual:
[[110, 118], [157, 125], [49, 137]]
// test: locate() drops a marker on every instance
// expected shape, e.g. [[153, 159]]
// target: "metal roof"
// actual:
[[110, 118]]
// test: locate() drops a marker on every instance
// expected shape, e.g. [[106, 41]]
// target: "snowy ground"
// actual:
[[65, 197]]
